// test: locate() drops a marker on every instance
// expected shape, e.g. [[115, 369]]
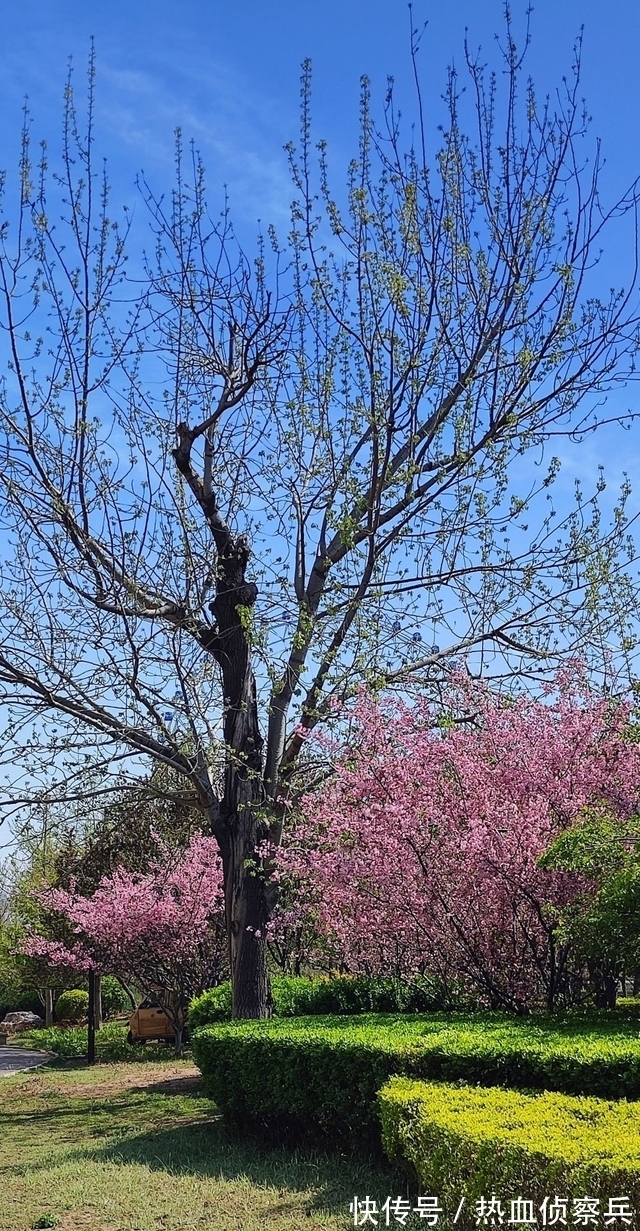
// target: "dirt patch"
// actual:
[[83, 1220], [111, 1080], [170, 1079]]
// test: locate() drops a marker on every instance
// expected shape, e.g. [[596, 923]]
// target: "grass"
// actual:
[[137, 1147], [69, 1042]]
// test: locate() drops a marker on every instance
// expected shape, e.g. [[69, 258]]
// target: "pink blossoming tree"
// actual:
[[163, 930], [421, 852]]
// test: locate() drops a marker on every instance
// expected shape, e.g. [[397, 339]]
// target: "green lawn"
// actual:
[[137, 1147]]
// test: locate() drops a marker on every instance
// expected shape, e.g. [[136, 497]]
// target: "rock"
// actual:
[[21, 1021]]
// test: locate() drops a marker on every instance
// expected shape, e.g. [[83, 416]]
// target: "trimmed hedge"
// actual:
[[72, 1006], [477, 1142], [300, 996], [326, 1072]]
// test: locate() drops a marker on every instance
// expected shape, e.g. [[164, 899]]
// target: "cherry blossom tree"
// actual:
[[421, 852], [162, 931]]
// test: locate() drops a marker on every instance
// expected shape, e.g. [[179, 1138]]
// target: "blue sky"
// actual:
[[227, 72]]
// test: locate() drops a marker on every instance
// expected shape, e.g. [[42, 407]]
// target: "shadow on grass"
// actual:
[[219, 1151], [210, 1148], [191, 1085]]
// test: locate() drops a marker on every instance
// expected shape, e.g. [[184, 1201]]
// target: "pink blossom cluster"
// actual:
[[163, 930], [420, 854]]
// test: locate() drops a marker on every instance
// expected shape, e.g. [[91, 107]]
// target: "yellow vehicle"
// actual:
[[150, 1022]]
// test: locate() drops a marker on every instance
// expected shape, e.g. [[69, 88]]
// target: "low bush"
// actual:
[[113, 996], [212, 1006], [628, 1004], [327, 1071], [71, 1043], [478, 1142], [72, 1006], [299, 996]]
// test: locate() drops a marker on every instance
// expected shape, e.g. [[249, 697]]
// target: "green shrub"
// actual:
[[477, 1142], [113, 996], [327, 1071], [628, 1004], [358, 994], [111, 1043], [299, 996], [72, 1006], [214, 1005], [20, 1002]]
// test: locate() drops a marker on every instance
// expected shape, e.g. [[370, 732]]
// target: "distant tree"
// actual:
[[75, 849], [162, 931], [223, 513], [22, 976], [131, 830], [602, 923]]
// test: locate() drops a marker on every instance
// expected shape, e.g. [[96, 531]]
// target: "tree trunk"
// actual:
[[178, 1032], [552, 967], [242, 824], [48, 1006], [246, 900], [132, 999], [605, 984], [98, 1010], [247, 916]]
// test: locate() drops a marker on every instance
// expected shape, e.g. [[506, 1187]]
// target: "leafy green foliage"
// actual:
[[131, 832], [211, 1006], [480, 1141], [327, 1071], [69, 1044], [114, 998], [14, 996], [297, 995], [603, 922], [628, 1005], [72, 1006]]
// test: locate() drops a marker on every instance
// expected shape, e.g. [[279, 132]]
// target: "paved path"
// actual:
[[14, 1059]]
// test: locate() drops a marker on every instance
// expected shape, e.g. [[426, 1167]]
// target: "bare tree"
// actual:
[[227, 511]]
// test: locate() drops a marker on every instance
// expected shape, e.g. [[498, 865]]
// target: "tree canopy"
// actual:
[[428, 850], [232, 486]]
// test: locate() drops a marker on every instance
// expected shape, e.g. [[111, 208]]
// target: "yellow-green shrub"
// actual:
[[462, 1140]]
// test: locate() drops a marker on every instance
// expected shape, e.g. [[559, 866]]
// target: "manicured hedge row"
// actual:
[[299, 996], [474, 1142], [327, 1071]]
